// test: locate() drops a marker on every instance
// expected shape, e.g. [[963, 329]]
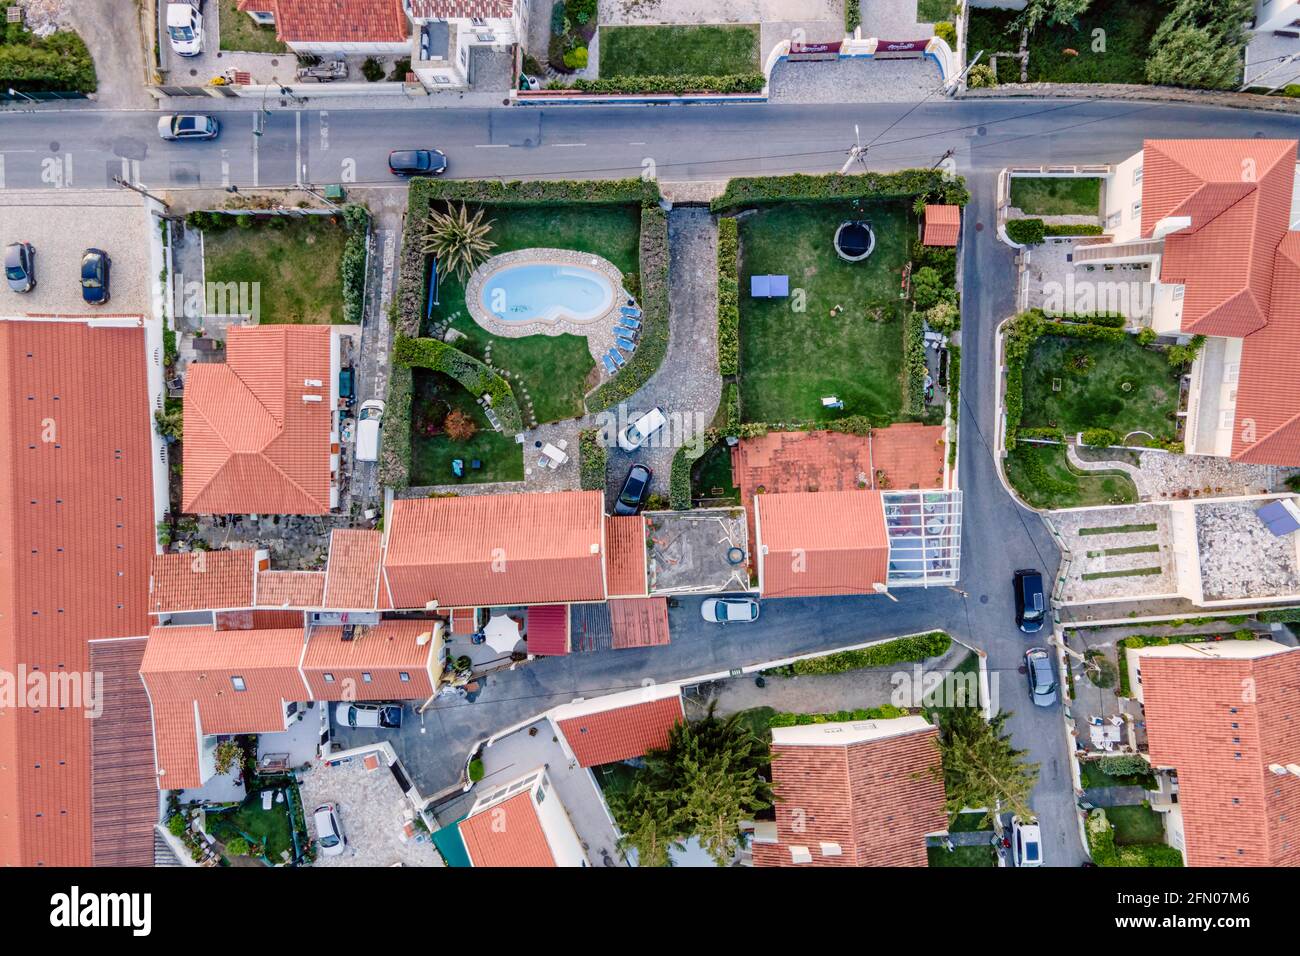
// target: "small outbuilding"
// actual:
[[942, 225]]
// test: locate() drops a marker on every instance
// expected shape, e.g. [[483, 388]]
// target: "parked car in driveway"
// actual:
[[369, 715], [635, 490], [1026, 842], [417, 162], [95, 267], [1031, 600], [20, 266], [634, 435], [369, 417], [185, 29], [329, 830], [188, 126], [1042, 679], [729, 610]]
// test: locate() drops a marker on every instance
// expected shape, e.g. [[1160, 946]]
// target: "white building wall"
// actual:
[[1123, 199], [1276, 14], [401, 48], [560, 834]]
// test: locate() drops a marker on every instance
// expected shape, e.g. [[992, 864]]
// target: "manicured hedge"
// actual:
[[954, 399], [730, 411], [1111, 320], [593, 457], [471, 373], [883, 712], [728, 299], [748, 191], [1286, 615], [1027, 232], [879, 655], [852, 16], [58, 63], [653, 345], [519, 192], [679, 484], [674, 85], [1073, 229], [1101, 437], [356, 219], [395, 456], [1101, 842], [914, 367]]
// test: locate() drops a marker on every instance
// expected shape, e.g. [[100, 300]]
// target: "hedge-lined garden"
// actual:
[[593, 457], [728, 298], [58, 63], [904, 184], [473, 375], [900, 651]]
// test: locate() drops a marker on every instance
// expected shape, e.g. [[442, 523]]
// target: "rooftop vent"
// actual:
[[311, 398]]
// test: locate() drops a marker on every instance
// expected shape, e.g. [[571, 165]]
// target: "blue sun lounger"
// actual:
[[630, 312], [617, 357], [626, 344], [608, 362], [628, 322]]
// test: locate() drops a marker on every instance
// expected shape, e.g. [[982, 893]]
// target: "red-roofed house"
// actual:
[[204, 580], [261, 429], [820, 543], [619, 726], [335, 27], [1225, 717], [1210, 218], [521, 823], [865, 793], [447, 33], [942, 225]]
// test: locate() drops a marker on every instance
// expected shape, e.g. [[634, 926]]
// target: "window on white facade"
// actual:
[[1137, 175], [1114, 219], [1137, 209], [1231, 371], [1225, 420], [1178, 292]]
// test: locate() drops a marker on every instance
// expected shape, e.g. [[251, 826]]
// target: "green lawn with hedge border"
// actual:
[[711, 50], [435, 395], [1057, 195]]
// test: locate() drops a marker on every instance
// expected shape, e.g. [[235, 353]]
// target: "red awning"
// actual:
[[548, 629]]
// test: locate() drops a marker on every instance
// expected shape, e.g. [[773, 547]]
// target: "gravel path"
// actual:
[[854, 80]]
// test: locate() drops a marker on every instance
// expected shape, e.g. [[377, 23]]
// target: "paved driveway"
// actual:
[[114, 32]]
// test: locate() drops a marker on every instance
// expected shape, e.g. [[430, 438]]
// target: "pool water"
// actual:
[[547, 292]]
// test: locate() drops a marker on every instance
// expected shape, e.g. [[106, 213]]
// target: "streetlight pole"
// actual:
[[13, 92], [880, 588]]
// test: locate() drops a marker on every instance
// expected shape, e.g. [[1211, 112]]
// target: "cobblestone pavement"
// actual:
[[371, 809], [893, 20], [1165, 476], [1055, 281], [854, 80]]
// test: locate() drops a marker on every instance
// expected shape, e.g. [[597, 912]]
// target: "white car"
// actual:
[[729, 610], [634, 435], [329, 831], [369, 417], [1026, 842], [387, 716], [185, 29]]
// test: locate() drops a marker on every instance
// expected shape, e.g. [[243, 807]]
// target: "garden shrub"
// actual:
[[914, 364], [942, 259], [1199, 44], [1101, 437], [906, 183], [1285, 615], [1181, 356], [1103, 672], [177, 824], [981, 75], [582, 11], [947, 32], [1101, 842], [883, 712], [356, 220], [1045, 432], [576, 59], [852, 15], [674, 85], [372, 70], [903, 650], [943, 317], [476, 770], [679, 483], [1031, 466], [926, 287], [728, 299], [58, 63], [471, 373], [1072, 229], [1026, 232], [1146, 336], [558, 17], [1126, 765], [593, 457]]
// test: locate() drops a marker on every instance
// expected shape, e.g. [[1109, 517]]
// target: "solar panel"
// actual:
[[1279, 518]]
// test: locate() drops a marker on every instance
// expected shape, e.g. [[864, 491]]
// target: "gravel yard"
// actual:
[[854, 80]]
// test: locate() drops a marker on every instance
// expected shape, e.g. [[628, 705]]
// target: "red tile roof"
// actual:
[[461, 9], [1236, 812], [823, 543], [252, 443], [1268, 390], [875, 799], [942, 225], [623, 732], [76, 537], [291, 589], [507, 834], [625, 565], [496, 550], [548, 629], [334, 21], [352, 574], [384, 651], [639, 622], [202, 581]]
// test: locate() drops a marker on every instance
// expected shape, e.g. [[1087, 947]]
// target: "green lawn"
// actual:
[[790, 359], [269, 827], [239, 32], [711, 476], [295, 266], [1127, 28], [1091, 774], [556, 370], [1092, 394], [434, 396], [1057, 197], [1135, 825], [962, 856], [678, 50], [1043, 478], [968, 823], [936, 11]]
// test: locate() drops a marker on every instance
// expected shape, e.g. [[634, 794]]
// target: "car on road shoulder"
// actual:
[[417, 162], [729, 610], [388, 716], [188, 126], [20, 266], [95, 267], [1026, 842], [1031, 600], [635, 490], [1042, 679], [185, 29], [369, 417], [634, 435], [329, 830]]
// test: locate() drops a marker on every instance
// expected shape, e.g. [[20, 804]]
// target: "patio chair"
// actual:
[[458, 467], [475, 464], [629, 323], [608, 362], [617, 357], [627, 345], [630, 312]]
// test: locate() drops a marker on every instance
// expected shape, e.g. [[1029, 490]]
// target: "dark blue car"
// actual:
[[95, 266]]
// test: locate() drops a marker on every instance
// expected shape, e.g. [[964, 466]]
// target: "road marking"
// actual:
[[558, 145], [491, 145], [297, 122], [324, 129], [67, 169], [636, 144], [135, 172], [126, 169], [225, 168], [257, 139], [2, 170]]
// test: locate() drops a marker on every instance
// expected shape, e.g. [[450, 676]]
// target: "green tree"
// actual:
[[1199, 44], [650, 826], [1050, 11], [238, 846], [458, 240], [980, 767], [927, 286], [170, 421]]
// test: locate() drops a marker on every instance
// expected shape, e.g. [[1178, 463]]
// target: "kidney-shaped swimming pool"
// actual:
[[547, 292]]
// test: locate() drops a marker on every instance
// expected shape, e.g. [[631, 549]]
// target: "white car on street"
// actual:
[[1026, 842], [729, 610]]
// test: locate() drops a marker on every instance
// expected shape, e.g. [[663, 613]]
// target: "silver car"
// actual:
[[329, 831], [20, 266], [188, 126], [1042, 679], [729, 610]]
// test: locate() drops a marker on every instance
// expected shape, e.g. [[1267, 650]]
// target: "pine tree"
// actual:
[[648, 825], [980, 767]]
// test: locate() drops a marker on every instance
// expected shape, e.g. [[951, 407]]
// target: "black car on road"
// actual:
[[417, 162], [635, 490], [1031, 600]]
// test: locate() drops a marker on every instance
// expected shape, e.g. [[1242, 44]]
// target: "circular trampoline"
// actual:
[[854, 241]]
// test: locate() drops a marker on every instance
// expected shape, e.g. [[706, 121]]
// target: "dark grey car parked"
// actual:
[[20, 266]]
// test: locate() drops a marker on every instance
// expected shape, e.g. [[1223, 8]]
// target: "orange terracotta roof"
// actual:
[[486, 550], [507, 834], [942, 225], [252, 444], [201, 581], [824, 543], [76, 537], [352, 574], [385, 651], [639, 622], [334, 21], [1236, 812], [622, 732], [625, 565], [461, 9], [291, 589], [1268, 390]]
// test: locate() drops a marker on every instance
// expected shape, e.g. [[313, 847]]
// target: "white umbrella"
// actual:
[[501, 633]]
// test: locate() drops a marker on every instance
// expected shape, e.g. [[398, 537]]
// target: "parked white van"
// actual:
[[185, 29], [635, 434], [369, 417]]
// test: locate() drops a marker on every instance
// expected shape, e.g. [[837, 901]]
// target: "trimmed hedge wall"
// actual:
[[471, 373], [679, 483], [356, 220], [880, 655], [1027, 232], [682, 85], [883, 712], [954, 399], [395, 456], [914, 365], [728, 298], [1073, 229], [518, 192], [593, 457], [748, 191]]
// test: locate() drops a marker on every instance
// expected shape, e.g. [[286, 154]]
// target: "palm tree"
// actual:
[[457, 240]]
